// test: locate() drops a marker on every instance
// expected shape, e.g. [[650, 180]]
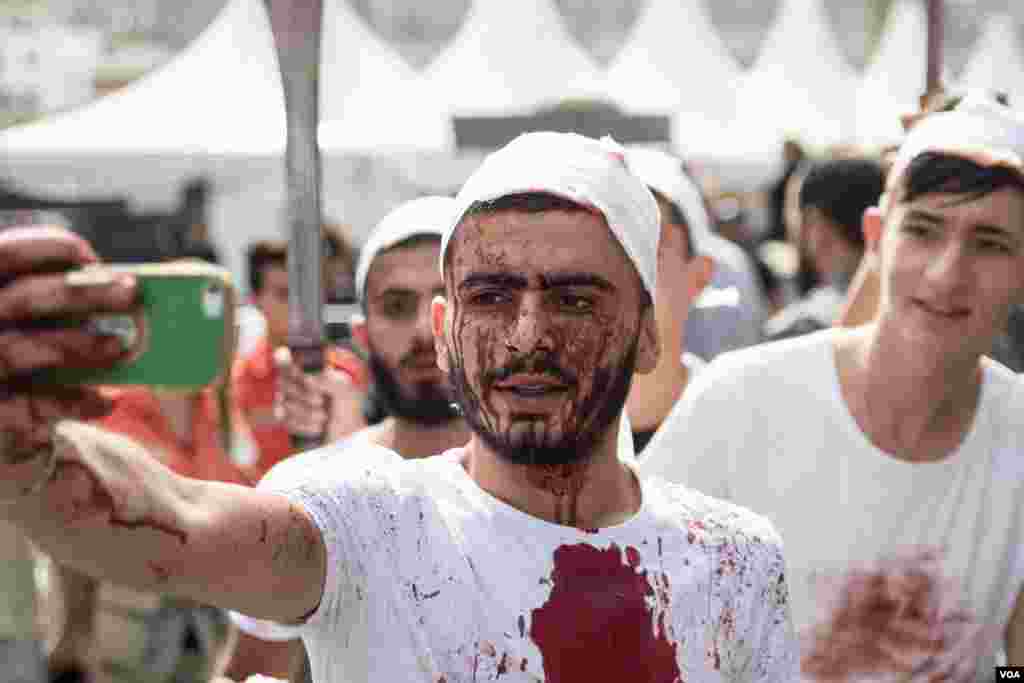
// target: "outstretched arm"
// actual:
[[112, 511]]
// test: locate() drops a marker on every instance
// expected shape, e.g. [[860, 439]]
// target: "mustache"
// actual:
[[421, 353], [535, 365]]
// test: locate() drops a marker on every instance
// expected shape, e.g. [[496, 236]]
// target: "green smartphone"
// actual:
[[181, 337]]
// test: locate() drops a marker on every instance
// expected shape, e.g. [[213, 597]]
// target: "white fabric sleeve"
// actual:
[[694, 444], [331, 485]]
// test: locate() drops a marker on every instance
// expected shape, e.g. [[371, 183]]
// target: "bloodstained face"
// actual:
[[399, 289], [542, 331]]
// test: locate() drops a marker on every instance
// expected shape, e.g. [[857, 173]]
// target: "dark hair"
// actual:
[[935, 172], [410, 242], [261, 255], [842, 189], [528, 202], [336, 243], [200, 250], [676, 217], [534, 202]]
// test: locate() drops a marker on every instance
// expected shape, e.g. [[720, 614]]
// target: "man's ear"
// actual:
[[871, 224], [648, 346], [701, 269], [438, 314], [359, 334]]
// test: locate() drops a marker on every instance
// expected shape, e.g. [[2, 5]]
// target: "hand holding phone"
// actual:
[[180, 337]]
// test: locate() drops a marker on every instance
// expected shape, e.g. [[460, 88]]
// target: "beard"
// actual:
[[595, 413], [429, 404]]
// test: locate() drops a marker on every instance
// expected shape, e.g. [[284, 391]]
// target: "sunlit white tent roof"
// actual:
[[895, 77], [222, 95], [673, 62], [800, 84], [511, 57], [372, 100], [996, 62]]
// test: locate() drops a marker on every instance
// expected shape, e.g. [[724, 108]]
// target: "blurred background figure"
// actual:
[[684, 271], [832, 198], [255, 376]]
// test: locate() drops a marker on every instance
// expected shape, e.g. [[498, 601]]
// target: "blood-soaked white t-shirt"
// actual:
[[432, 579]]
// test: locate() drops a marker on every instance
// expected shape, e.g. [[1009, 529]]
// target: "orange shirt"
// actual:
[[255, 392], [137, 415]]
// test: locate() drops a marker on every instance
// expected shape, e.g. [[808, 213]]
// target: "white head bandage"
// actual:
[[590, 172], [664, 173], [979, 129], [422, 216]]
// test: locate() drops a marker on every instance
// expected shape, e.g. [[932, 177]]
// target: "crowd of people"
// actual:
[[550, 455]]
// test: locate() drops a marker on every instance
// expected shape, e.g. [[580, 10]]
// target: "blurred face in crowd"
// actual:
[[677, 256], [272, 300], [952, 266], [541, 331], [400, 286]]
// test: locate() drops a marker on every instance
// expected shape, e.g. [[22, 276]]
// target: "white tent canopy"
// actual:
[[797, 87], [674, 61], [372, 100], [895, 77], [996, 63], [511, 57], [222, 95], [216, 109]]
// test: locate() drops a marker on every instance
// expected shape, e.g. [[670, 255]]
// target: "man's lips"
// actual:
[[527, 384], [942, 309]]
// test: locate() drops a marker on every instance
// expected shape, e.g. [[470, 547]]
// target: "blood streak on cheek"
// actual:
[[597, 624]]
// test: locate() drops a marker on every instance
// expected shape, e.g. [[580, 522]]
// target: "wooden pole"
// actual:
[[933, 69]]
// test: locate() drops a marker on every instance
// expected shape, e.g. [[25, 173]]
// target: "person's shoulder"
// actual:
[[769, 359], [349, 458], [712, 521], [356, 464], [1003, 397]]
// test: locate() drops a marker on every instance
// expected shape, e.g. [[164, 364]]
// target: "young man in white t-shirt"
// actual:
[[898, 438]]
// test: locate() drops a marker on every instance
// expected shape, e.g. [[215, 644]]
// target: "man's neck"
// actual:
[[598, 492], [411, 440], [910, 404]]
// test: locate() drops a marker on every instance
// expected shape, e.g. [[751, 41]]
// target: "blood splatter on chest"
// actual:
[[600, 623]]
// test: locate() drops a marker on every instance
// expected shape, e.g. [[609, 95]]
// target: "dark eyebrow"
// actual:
[[392, 292], [919, 215], [549, 281], [577, 279], [996, 231], [503, 280]]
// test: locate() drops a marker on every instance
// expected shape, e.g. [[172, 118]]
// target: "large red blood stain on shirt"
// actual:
[[597, 624]]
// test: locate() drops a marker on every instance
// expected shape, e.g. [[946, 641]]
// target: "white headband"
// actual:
[[423, 216], [978, 129], [666, 175], [580, 169]]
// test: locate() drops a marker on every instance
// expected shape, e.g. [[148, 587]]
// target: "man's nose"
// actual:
[[424, 326], [532, 328], [949, 270]]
